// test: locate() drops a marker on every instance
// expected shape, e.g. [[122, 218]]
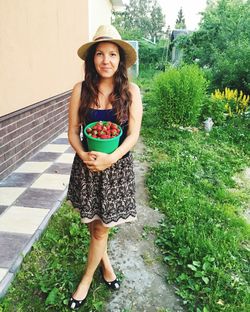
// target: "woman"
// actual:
[[102, 186]]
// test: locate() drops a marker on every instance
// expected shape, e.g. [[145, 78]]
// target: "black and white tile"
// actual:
[[27, 199]]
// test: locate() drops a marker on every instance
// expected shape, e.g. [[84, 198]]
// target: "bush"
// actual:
[[151, 55], [214, 109], [178, 95]]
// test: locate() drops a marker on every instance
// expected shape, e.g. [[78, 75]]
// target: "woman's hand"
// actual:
[[86, 156], [99, 161]]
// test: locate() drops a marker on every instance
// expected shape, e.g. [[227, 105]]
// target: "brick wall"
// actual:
[[25, 131]]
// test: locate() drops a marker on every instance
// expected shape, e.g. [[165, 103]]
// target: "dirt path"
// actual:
[[144, 287]]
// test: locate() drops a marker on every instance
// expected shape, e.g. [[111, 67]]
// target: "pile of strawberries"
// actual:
[[103, 130]]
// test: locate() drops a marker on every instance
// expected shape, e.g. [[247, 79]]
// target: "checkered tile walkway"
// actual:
[[28, 198]]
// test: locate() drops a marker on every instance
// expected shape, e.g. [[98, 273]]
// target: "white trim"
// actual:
[[117, 5], [117, 2]]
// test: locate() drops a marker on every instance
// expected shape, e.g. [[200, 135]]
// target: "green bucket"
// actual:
[[107, 146]]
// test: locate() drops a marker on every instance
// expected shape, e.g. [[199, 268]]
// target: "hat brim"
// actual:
[[129, 51]]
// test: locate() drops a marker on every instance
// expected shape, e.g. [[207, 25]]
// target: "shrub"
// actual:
[[150, 55], [178, 94], [214, 109]]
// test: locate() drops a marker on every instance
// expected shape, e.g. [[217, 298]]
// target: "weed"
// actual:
[[113, 231], [148, 230], [148, 259]]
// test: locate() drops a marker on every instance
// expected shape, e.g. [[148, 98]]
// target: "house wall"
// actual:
[[38, 68], [39, 39], [26, 131]]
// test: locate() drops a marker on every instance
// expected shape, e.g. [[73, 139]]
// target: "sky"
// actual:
[[190, 8]]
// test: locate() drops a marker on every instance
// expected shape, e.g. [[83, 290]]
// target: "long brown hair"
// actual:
[[120, 98]]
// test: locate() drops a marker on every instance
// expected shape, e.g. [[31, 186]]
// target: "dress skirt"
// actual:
[[108, 196]]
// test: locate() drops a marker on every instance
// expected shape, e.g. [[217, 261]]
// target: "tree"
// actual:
[[141, 18], [222, 44], [180, 22]]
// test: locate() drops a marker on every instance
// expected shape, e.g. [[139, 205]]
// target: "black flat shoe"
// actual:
[[115, 284], [75, 304]]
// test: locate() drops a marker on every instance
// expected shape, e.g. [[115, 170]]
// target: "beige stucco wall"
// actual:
[[38, 44], [38, 47], [99, 13]]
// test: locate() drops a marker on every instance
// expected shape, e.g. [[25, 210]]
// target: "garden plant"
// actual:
[[204, 238]]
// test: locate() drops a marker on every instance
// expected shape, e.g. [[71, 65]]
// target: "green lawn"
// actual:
[[203, 238]]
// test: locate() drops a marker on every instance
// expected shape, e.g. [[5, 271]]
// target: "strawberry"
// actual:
[[113, 126], [103, 136], [103, 130], [114, 132]]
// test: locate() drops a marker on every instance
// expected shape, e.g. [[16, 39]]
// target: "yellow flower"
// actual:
[[235, 102]]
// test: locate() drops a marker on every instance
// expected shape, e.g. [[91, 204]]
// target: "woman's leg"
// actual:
[[97, 248], [108, 271]]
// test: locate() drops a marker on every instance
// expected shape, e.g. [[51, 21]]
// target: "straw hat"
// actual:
[[109, 33]]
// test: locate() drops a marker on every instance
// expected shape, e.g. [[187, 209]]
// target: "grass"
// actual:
[[144, 79], [203, 238], [53, 269]]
